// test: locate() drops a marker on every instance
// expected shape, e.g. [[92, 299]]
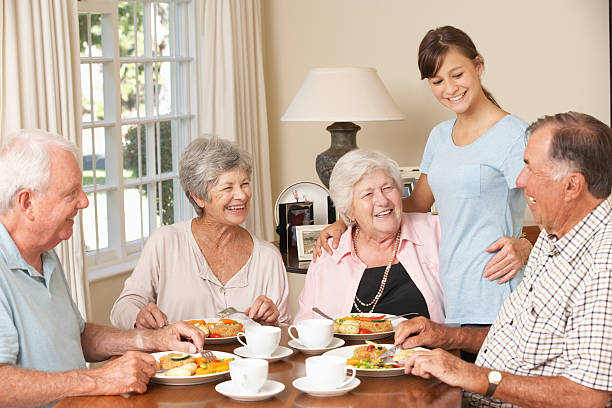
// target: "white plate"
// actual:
[[371, 336], [280, 353], [347, 352], [222, 340], [161, 378], [305, 191], [336, 342], [303, 385], [233, 391]]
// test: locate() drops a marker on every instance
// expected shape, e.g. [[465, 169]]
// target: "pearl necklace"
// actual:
[[383, 282]]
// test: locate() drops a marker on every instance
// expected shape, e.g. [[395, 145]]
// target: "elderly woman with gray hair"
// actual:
[[387, 261], [194, 269]]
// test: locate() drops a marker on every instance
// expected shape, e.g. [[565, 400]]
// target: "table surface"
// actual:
[[404, 390]]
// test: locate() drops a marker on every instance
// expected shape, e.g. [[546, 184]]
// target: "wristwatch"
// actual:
[[495, 378]]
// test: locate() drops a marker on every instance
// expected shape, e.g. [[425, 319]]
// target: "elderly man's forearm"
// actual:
[[102, 342], [464, 338], [548, 392], [31, 388]]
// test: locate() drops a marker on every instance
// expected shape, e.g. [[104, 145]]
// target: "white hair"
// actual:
[[350, 169], [562, 168], [25, 163]]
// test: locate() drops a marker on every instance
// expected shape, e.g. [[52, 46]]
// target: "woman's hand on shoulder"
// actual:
[[334, 231], [151, 317], [263, 311], [512, 254]]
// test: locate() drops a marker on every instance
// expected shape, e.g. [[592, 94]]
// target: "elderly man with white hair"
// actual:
[[387, 261], [44, 341]]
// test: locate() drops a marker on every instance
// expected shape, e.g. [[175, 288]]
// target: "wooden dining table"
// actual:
[[399, 391]]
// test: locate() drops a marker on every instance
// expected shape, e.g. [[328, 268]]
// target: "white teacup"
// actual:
[[249, 374], [261, 341], [314, 333], [328, 372]]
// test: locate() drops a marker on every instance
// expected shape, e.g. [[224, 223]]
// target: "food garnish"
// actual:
[[184, 356]]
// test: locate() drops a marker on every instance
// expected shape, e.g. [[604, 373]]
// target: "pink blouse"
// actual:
[[332, 281]]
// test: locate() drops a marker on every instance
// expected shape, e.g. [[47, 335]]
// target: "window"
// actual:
[[136, 74]]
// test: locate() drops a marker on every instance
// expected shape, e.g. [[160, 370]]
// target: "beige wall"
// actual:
[[540, 56]]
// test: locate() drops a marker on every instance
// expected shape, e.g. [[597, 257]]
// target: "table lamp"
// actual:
[[341, 96]]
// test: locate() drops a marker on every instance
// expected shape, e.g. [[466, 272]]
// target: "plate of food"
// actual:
[[177, 368], [366, 326], [365, 359], [218, 331]]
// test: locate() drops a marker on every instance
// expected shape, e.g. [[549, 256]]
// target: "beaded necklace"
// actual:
[[383, 282]]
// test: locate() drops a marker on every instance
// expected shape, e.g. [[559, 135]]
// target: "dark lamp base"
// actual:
[[343, 140]]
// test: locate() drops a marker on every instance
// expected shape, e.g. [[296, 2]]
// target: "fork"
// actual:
[[209, 357], [228, 311]]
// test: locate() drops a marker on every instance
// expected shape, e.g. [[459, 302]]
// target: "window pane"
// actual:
[[131, 140], [163, 29], [97, 73], [100, 154], [132, 90], [136, 213], [167, 207], [96, 35], [165, 146], [162, 77], [83, 44], [89, 222], [127, 45], [139, 28], [85, 93], [87, 158]]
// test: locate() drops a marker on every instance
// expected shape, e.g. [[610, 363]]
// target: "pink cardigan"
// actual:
[[332, 281]]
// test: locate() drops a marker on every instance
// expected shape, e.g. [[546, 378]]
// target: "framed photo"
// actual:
[[306, 237], [291, 215]]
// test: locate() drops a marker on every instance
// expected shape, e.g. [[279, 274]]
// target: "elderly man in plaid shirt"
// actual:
[[551, 344]]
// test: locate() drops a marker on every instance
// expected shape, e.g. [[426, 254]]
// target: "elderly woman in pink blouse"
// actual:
[[387, 261], [194, 269]]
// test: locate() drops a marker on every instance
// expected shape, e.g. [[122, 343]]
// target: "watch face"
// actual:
[[495, 377]]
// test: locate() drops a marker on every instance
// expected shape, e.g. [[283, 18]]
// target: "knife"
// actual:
[[390, 352]]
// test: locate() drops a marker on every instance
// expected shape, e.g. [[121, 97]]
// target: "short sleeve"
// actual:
[[428, 154], [588, 348], [9, 342], [513, 163]]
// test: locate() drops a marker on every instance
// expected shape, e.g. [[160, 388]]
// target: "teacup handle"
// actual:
[[239, 340], [345, 383], [291, 334]]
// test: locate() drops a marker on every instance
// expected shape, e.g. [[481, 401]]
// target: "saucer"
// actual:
[[233, 391], [278, 354], [303, 385], [336, 342]]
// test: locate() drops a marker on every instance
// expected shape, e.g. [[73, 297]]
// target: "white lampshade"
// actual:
[[342, 95]]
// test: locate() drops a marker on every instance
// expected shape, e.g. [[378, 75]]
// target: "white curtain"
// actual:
[[40, 88], [232, 99]]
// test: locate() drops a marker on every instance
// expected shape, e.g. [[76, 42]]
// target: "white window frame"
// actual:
[[121, 256]]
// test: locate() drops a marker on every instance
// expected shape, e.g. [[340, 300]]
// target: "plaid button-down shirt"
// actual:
[[558, 322]]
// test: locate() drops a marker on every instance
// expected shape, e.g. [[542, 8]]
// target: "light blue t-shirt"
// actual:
[[478, 202], [40, 326]]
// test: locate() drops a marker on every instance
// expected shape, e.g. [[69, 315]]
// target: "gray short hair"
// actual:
[[25, 163], [350, 169], [580, 143], [203, 161]]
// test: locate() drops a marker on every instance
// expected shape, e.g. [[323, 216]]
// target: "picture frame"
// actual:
[[290, 216], [306, 237]]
